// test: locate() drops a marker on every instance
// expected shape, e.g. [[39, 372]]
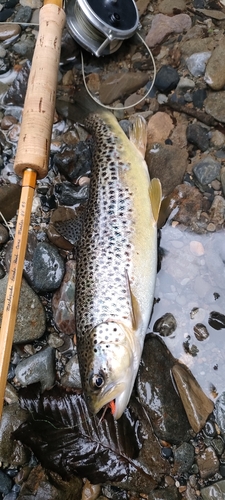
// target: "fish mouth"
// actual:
[[119, 397]]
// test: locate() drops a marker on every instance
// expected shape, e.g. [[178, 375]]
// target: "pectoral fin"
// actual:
[[134, 309], [155, 193], [138, 134]]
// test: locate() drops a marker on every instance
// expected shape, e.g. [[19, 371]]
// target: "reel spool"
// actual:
[[100, 26]]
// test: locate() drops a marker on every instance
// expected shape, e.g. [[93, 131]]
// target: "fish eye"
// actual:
[[97, 381]]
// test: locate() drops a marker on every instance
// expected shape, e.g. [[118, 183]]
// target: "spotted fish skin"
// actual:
[[116, 268]]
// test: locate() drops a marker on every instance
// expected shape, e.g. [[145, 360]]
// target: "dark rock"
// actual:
[[75, 162], [170, 493], [9, 200], [2, 271], [17, 91], [5, 483], [188, 200], [63, 301], [157, 394], [201, 332], [184, 457], [28, 261], [72, 374], [218, 445], [69, 195], [168, 163], [206, 170], [165, 325], [5, 14], [10, 4], [23, 15], [37, 368], [48, 268], [216, 320], [4, 234], [4, 66], [167, 79], [69, 48], [43, 485], [198, 135], [198, 97], [24, 47]]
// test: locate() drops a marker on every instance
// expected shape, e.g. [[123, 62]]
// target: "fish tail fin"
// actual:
[[155, 193], [80, 107], [138, 134]]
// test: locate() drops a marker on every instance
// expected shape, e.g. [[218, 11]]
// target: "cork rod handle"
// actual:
[[35, 136]]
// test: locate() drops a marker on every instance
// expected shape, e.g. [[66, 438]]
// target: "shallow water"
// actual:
[[190, 285]]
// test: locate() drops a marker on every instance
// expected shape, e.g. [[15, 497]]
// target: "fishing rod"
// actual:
[[31, 160]]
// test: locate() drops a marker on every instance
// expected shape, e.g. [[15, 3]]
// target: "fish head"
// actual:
[[112, 368]]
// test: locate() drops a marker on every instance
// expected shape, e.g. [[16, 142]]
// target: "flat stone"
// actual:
[[168, 7], [63, 301], [215, 490], [23, 15], [157, 394], [168, 163], [30, 320], [119, 85], [197, 44], [37, 368], [12, 452], [9, 30], [159, 127], [215, 105], [208, 463], [196, 63], [206, 170], [215, 71], [214, 14], [196, 404], [164, 25]]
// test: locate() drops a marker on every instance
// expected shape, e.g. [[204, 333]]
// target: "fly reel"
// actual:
[[100, 26]]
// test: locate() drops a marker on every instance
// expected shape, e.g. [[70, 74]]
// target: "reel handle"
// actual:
[[35, 135]]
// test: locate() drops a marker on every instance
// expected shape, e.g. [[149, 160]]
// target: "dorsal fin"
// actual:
[[155, 193], [138, 134]]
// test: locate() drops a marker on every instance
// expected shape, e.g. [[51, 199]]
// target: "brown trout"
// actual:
[[117, 262]]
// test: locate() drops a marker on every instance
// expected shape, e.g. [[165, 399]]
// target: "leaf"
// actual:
[[67, 439]]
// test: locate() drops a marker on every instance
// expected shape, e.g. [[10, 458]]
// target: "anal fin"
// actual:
[[155, 193], [138, 134]]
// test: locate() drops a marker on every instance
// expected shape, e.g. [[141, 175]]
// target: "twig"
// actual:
[[199, 115]]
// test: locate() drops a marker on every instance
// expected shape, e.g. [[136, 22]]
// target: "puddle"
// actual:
[[191, 285]]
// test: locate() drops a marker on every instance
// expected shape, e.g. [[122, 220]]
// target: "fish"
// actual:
[[116, 259]]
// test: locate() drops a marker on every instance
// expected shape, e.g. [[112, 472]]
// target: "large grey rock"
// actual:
[[30, 320]]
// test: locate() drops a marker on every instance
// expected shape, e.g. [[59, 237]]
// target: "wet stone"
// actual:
[[201, 332], [198, 135], [218, 445], [167, 79], [168, 163], [216, 320], [215, 105], [30, 321], [37, 368], [48, 268], [184, 457], [209, 430], [63, 306], [164, 25], [5, 483], [220, 413], [157, 394], [69, 195], [206, 170], [4, 234], [208, 463], [12, 452], [9, 200], [42, 485], [196, 404], [169, 493], [165, 325], [24, 48], [72, 374], [215, 72], [17, 91]]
